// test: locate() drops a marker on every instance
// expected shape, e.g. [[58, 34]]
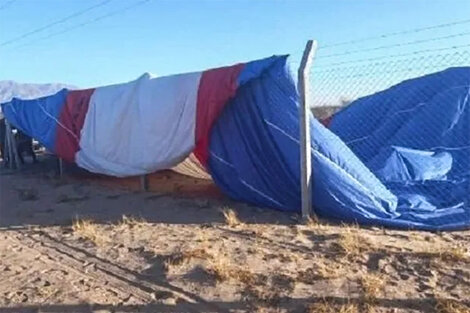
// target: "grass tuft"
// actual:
[[132, 221], [87, 229], [451, 306], [328, 307], [223, 270], [231, 218], [372, 286], [351, 243], [454, 253], [185, 257], [312, 222]]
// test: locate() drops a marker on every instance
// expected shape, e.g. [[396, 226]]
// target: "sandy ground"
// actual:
[[77, 246]]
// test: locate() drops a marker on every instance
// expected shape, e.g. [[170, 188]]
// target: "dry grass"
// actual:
[[231, 218], [319, 271], [223, 269], [445, 253], [132, 221], [180, 258], [87, 229], [266, 299], [372, 286], [328, 307], [312, 222], [263, 309], [454, 253], [351, 243], [301, 237], [451, 306]]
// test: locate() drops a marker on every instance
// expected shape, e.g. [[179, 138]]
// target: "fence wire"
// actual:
[[343, 80], [335, 86]]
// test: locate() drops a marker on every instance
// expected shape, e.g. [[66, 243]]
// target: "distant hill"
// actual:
[[10, 89]]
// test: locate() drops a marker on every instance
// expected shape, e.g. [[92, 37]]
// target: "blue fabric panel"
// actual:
[[399, 164], [254, 155], [415, 137], [404, 161], [37, 118], [254, 69]]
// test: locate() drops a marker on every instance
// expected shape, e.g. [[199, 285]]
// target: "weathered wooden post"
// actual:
[[14, 159], [304, 115], [144, 184], [61, 167], [6, 149]]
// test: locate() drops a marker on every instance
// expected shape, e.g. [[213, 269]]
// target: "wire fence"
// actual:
[[338, 85], [403, 105]]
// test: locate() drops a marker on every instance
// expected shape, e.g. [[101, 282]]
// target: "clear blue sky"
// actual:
[[165, 37]]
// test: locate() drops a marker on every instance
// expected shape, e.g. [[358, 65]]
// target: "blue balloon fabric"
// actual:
[[397, 158], [37, 116]]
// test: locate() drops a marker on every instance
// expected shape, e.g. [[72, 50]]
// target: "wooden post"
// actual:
[[144, 184], [14, 160], [7, 157], [14, 148], [61, 167], [304, 114]]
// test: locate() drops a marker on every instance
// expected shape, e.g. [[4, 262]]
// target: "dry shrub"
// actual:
[[351, 243], [87, 229], [223, 269], [329, 307], [445, 253], [320, 271], [312, 222], [264, 309], [132, 221], [372, 286], [454, 253], [184, 257], [231, 218], [451, 306], [262, 296]]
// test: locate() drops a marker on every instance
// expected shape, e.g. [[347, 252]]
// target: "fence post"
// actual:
[[6, 149], [14, 160], [144, 185], [304, 114], [61, 167]]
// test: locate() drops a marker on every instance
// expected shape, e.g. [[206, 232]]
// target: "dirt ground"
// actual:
[[70, 245]]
